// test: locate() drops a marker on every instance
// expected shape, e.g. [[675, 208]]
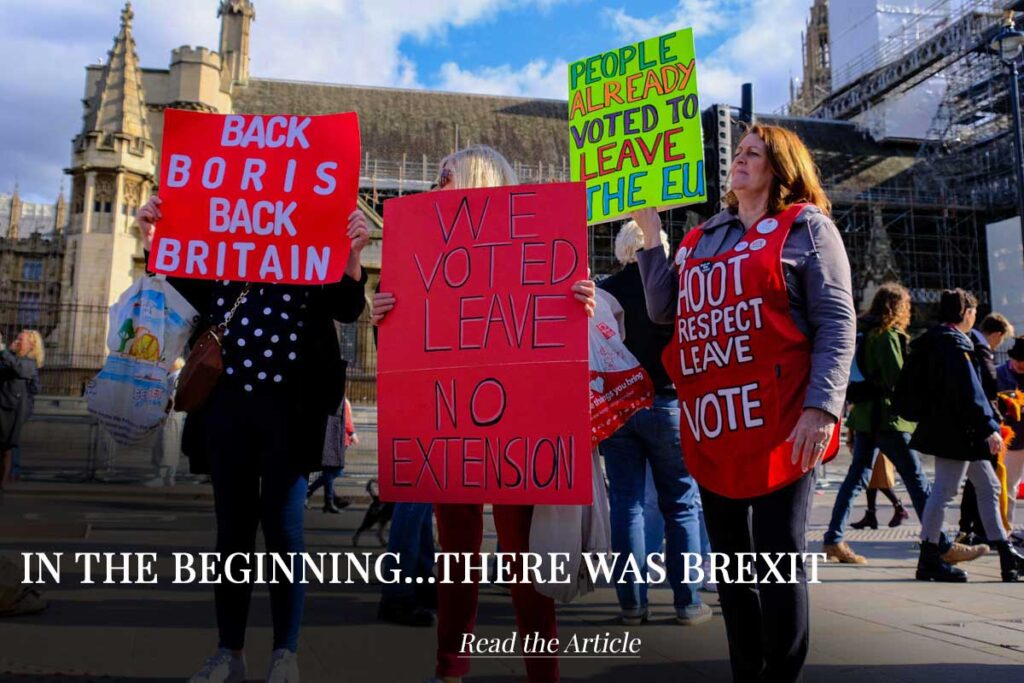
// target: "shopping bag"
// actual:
[[619, 386], [149, 326]]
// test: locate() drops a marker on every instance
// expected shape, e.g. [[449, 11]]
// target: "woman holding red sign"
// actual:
[[460, 527], [261, 431], [764, 335]]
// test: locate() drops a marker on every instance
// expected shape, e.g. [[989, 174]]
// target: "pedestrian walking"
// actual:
[[341, 433], [956, 424], [876, 425]]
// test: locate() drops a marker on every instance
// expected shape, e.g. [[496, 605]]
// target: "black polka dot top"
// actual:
[[261, 346]]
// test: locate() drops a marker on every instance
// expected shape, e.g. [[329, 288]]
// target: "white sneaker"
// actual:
[[694, 614], [155, 482], [284, 667], [222, 667]]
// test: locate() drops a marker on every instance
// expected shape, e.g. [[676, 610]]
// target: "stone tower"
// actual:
[[14, 219], [816, 84], [236, 17], [60, 213], [113, 169]]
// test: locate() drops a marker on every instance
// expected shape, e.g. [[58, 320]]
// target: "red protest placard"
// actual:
[[256, 198], [482, 367]]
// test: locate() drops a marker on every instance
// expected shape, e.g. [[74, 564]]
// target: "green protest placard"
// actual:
[[634, 127]]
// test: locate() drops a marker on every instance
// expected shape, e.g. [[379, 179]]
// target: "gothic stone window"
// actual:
[[29, 309], [103, 202], [132, 196], [78, 196], [32, 270]]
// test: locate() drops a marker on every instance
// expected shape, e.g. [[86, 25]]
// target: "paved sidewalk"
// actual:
[[871, 623]]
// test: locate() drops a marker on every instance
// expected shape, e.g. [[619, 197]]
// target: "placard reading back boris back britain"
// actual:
[[256, 198]]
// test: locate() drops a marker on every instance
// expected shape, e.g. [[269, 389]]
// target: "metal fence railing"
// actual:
[[74, 338]]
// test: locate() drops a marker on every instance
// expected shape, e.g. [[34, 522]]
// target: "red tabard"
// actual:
[[739, 363]]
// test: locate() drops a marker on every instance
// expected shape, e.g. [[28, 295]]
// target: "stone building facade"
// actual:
[[31, 258], [115, 158]]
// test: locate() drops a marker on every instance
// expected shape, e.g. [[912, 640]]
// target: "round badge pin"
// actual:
[[741, 246], [757, 245], [767, 226]]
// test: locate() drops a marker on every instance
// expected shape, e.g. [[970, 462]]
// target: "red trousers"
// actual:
[[460, 529]]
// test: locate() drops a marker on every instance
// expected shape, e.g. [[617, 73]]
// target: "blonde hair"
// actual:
[[38, 351], [794, 175], [631, 240], [178, 364], [478, 166]]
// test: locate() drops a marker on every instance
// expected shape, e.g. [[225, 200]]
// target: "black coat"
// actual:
[[959, 418], [19, 379], [319, 384], [985, 362], [645, 339]]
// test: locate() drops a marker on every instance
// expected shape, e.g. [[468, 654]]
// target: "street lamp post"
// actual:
[[1007, 44]]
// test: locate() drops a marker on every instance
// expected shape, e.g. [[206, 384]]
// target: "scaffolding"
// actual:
[[925, 225]]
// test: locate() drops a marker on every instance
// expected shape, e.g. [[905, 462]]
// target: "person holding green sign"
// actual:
[[760, 356]]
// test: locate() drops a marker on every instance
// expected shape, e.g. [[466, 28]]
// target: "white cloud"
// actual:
[[340, 41], [703, 16], [538, 78], [763, 46]]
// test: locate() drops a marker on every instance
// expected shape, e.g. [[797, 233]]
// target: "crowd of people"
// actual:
[[938, 395], [676, 484]]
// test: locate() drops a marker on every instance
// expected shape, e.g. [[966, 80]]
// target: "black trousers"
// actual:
[[767, 622]]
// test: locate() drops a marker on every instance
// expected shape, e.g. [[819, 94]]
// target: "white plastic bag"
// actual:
[[149, 326], [571, 529], [619, 386]]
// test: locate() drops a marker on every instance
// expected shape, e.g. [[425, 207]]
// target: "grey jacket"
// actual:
[[817, 272]]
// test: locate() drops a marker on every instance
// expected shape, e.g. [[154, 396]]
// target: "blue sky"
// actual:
[[513, 47]]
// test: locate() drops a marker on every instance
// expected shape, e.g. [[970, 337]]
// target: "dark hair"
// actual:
[[1016, 351], [891, 306], [996, 323], [954, 304]]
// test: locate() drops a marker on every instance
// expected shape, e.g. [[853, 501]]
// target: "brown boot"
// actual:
[[959, 552], [842, 553]]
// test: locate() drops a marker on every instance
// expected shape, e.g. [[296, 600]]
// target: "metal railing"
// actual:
[[417, 174]]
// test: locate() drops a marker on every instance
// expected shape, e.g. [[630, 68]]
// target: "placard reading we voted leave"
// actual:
[[634, 127], [482, 368], [256, 198]]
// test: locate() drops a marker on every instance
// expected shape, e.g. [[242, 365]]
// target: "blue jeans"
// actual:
[[326, 479], [411, 536], [654, 523], [896, 447], [255, 484], [651, 436]]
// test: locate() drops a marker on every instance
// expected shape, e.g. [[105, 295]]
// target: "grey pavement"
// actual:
[[869, 623]]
